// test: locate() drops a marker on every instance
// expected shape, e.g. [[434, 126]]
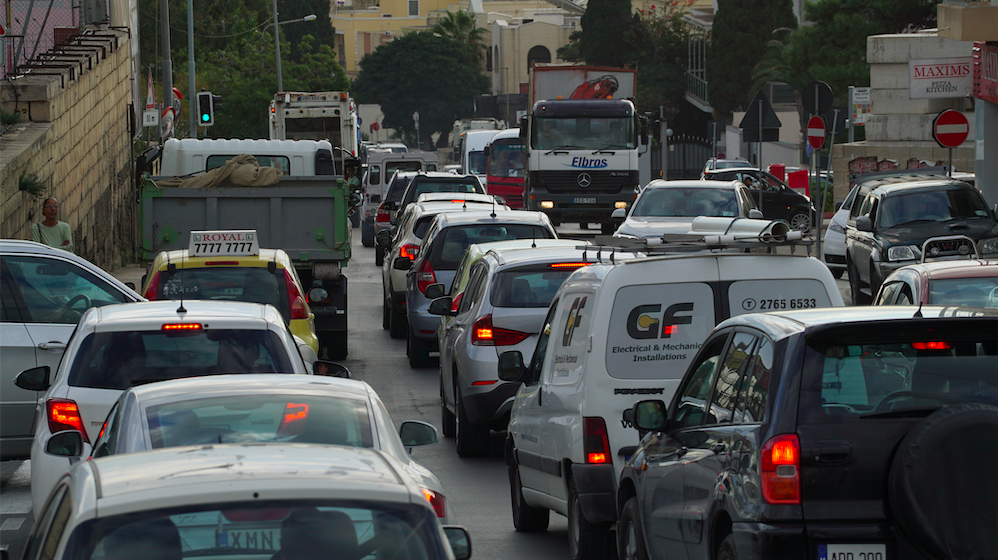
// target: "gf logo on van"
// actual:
[[574, 320], [643, 321]]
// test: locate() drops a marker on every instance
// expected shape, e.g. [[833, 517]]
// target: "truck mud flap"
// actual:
[[332, 315]]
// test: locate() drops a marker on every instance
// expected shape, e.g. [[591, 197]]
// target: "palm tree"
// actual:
[[462, 27], [783, 63]]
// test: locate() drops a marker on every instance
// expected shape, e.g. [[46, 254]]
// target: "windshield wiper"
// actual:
[[913, 412], [608, 146], [921, 221], [563, 148]]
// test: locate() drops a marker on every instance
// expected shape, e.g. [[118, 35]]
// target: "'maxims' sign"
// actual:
[[941, 78]]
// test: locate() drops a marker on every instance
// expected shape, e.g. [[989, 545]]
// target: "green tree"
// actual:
[[421, 72], [738, 37], [661, 36], [462, 28], [787, 62], [321, 29], [605, 25]]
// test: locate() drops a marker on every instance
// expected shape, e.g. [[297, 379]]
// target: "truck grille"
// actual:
[[602, 182]]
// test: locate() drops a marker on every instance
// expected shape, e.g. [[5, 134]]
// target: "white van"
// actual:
[[380, 168], [619, 333], [473, 159], [293, 157]]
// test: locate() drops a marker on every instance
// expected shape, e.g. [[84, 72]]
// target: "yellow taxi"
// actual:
[[230, 265]]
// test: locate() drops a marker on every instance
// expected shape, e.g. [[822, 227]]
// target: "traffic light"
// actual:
[[206, 108]]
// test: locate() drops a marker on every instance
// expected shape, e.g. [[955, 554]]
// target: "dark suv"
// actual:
[[772, 196], [843, 433], [897, 221], [389, 208], [438, 181]]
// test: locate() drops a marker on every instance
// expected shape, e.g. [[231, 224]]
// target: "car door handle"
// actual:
[[718, 447], [833, 451], [52, 345]]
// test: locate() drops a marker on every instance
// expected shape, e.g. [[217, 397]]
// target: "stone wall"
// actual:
[[74, 137]]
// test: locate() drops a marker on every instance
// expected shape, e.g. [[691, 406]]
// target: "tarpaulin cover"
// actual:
[[240, 171]]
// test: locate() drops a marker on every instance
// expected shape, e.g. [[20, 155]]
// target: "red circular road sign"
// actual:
[[816, 132], [950, 128], [375, 126]]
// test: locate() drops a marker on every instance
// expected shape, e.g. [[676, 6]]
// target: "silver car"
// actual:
[[43, 293], [670, 206]]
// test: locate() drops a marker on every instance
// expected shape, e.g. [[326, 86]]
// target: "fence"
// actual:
[[38, 26], [687, 154]]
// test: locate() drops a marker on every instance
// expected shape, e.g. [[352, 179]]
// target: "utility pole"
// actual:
[[190, 66], [277, 47], [164, 17]]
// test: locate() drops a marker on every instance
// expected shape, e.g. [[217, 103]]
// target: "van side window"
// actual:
[[476, 285], [537, 361], [689, 410], [374, 175]]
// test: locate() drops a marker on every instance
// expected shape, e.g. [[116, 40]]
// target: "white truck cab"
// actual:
[[615, 334], [380, 168], [294, 157]]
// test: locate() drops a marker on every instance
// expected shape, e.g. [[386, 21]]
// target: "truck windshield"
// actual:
[[507, 158], [583, 133]]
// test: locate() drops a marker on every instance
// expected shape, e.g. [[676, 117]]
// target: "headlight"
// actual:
[[900, 253], [547, 204], [836, 228], [989, 245], [620, 204]]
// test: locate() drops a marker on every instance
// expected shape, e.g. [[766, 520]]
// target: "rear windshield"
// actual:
[[119, 360], [443, 186], [883, 373], [259, 419], [397, 189], [687, 202], [476, 163], [449, 247], [939, 206], [255, 285], [970, 292], [532, 286]]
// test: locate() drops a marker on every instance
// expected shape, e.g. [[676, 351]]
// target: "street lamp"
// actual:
[[277, 42]]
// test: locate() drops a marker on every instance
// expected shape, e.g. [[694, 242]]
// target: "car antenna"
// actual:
[[533, 238], [183, 288], [918, 313], [493, 206]]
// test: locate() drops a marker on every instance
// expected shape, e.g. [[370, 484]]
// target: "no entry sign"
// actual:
[[950, 128], [816, 132]]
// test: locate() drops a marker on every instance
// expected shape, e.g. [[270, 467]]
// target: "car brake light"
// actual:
[[781, 470], [437, 501], [182, 327], [931, 345], [409, 251], [255, 514], [153, 289], [425, 276], [64, 415], [295, 300], [569, 265], [383, 214], [594, 440], [221, 263], [483, 333]]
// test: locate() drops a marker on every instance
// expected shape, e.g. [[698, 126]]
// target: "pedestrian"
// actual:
[[51, 231]]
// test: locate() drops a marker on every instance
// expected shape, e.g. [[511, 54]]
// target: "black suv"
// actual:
[[897, 221], [845, 433], [438, 181], [772, 196], [389, 208]]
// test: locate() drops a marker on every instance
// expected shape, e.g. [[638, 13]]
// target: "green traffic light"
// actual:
[[205, 117]]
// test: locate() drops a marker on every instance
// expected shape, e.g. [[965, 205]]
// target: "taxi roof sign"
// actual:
[[226, 242]]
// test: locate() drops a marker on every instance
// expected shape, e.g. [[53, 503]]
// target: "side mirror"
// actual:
[[511, 366], [650, 415], [394, 220], [383, 239], [756, 214], [460, 541], [441, 306], [434, 291], [34, 379], [499, 199], [863, 223], [619, 214], [65, 444], [130, 285], [402, 263], [330, 369], [415, 433], [838, 206], [487, 151]]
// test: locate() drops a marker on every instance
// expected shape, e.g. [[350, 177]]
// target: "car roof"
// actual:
[[443, 175], [450, 197], [423, 209], [890, 186], [221, 473], [180, 258], [20, 246], [552, 254], [450, 219], [151, 314], [944, 270], [506, 133], [730, 169], [193, 388], [692, 184], [513, 246]]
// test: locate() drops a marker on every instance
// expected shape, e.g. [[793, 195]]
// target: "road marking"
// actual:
[[12, 524]]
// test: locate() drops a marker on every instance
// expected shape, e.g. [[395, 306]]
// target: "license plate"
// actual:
[[586, 200], [852, 552]]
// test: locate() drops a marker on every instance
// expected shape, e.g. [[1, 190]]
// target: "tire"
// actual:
[[800, 221], [727, 549], [837, 273], [448, 423], [472, 439], [334, 343], [355, 219], [526, 518], [418, 351], [857, 295], [948, 520], [587, 541], [630, 533], [379, 256], [607, 228], [386, 313], [398, 323], [367, 235]]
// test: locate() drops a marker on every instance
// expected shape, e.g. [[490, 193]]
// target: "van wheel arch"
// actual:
[[720, 529]]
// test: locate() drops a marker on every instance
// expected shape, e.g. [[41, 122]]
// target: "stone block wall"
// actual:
[[74, 136]]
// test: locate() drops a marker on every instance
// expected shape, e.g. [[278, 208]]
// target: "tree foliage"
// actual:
[[424, 73], [605, 26], [738, 37], [321, 29], [462, 28]]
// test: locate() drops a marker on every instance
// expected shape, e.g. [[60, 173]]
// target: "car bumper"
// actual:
[[761, 540], [597, 487], [487, 403]]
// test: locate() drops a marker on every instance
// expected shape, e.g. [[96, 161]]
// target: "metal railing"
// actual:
[[37, 26]]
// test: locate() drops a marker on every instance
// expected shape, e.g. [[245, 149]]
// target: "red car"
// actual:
[[964, 282]]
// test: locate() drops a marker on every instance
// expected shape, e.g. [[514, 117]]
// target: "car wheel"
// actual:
[[379, 256], [587, 541], [472, 440], [801, 222], [837, 273], [386, 313], [447, 419], [355, 219], [630, 534], [526, 518], [418, 351], [727, 550], [398, 325], [333, 344], [367, 235], [857, 295]]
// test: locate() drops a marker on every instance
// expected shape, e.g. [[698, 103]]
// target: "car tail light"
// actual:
[[221, 263], [64, 415], [781, 470], [437, 500], [425, 276], [153, 289], [384, 215], [292, 422], [456, 303], [484, 334], [295, 300], [409, 251], [182, 327], [931, 345], [594, 440]]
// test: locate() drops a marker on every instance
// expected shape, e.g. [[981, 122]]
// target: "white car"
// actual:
[[44, 292], [120, 346], [833, 245], [266, 409], [667, 207], [241, 501]]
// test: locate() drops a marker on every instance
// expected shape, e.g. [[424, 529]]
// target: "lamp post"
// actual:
[[277, 42], [415, 119]]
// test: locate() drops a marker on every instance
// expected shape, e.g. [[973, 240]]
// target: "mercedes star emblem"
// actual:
[[585, 180]]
